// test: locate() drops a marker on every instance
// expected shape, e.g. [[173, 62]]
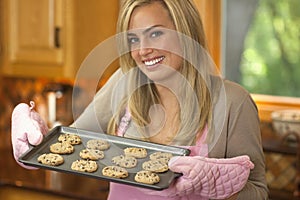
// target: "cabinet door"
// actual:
[[35, 32]]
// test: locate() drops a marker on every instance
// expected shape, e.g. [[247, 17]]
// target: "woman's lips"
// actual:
[[152, 62]]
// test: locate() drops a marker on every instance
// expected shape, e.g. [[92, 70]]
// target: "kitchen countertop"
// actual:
[[12, 192]]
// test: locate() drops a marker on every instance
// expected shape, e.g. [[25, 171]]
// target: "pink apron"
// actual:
[[126, 192]]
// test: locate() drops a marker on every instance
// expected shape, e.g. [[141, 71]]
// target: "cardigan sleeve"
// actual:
[[245, 138], [241, 135], [97, 114]]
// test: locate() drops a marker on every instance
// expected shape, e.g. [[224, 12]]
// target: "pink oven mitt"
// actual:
[[27, 127], [207, 177]]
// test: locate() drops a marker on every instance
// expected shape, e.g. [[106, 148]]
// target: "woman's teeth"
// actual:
[[154, 61]]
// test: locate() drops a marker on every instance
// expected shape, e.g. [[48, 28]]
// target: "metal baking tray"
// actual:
[[116, 148]]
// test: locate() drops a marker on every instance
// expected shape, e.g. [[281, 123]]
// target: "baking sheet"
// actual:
[[116, 148]]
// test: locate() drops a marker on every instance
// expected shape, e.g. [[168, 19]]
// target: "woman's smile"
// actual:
[[152, 63]]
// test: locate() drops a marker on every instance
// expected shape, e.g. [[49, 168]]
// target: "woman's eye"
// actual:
[[133, 40], [156, 34]]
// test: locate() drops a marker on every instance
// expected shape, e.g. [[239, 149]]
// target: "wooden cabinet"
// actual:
[[282, 157], [35, 31], [34, 37], [45, 38]]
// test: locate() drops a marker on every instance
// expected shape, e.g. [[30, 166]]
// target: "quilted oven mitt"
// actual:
[[27, 127], [208, 177]]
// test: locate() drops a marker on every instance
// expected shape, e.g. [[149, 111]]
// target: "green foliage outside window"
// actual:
[[271, 59]]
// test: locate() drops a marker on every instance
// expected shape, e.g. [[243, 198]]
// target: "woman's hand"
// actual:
[[27, 127], [208, 177]]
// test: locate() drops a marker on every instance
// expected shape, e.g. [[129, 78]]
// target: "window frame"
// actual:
[[211, 13], [266, 104]]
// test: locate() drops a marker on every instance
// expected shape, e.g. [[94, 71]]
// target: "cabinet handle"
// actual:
[[57, 37]]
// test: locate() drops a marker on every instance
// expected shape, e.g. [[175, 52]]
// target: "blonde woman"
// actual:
[[167, 91]]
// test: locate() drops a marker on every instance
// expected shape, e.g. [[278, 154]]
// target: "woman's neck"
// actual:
[[167, 96]]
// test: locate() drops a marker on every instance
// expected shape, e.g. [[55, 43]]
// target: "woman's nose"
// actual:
[[145, 48]]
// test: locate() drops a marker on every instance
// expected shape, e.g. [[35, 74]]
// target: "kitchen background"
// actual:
[[39, 57], [42, 44]]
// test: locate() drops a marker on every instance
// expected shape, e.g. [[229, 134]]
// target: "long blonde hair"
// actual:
[[187, 22]]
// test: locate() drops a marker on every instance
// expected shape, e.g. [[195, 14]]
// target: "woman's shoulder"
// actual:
[[230, 87], [234, 92], [234, 88], [117, 74]]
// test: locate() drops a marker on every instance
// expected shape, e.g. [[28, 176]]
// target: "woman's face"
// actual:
[[154, 43]]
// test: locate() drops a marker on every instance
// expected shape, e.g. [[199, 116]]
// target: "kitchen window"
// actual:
[[261, 50]]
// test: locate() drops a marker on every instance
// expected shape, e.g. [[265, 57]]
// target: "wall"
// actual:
[[12, 92]]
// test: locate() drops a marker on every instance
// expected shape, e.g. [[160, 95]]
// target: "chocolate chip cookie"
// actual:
[[91, 154], [125, 161], [98, 144], [115, 172], [62, 148], [135, 152], [84, 165], [161, 156], [146, 177], [51, 159], [155, 166], [71, 138]]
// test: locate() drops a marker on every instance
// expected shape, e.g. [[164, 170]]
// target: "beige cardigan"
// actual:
[[237, 131]]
